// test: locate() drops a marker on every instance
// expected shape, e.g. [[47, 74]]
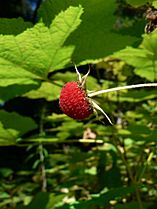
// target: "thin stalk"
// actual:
[[150, 156], [154, 66], [42, 167], [122, 88], [130, 174], [41, 153]]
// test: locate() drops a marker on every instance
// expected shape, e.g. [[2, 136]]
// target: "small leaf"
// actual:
[[136, 3], [7, 136], [36, 163], [16, 122], [5, 172], [154, 4]]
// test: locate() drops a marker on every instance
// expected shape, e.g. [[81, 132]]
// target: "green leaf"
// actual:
[[31, 55], [65, 77], [149, 43], [47, 90], [4, 195], [10, 72], [68, 76], [41, 199], [70, 128], [101, 199], [134, 96], [7, 136], [136, 3], [13, 26], [45, 200], [154, 4], [16, 122], [142, 132], [5, 172], [97, 36], [60, 29], [56, 118], [133, 204], [134, 56], [12, 91], [143, 58]]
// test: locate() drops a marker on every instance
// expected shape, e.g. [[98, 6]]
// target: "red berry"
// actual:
[[74, 101]]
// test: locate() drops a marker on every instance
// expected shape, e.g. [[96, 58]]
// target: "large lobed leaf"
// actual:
[[31, 55]]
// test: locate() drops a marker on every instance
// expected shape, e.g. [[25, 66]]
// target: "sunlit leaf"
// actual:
[[97, 35], [31, 55], [47, 90], [144, 58]]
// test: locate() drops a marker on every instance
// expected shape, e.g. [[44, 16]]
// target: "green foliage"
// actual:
[[31, 55], [13, 26], [101, 199], [11, 91], [97, 31], [11, 130], [47, 90], [45, 200], [50, 161], [154, 4], [136, 3], [142, 58]]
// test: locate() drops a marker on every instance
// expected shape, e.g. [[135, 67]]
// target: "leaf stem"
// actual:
[[122, 88]]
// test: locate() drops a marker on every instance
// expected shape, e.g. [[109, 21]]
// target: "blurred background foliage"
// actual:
[[49, 160]]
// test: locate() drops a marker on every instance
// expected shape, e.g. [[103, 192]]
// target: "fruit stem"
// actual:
[[122, 88]]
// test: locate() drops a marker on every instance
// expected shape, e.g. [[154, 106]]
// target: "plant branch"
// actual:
[[41, 152], [42, 167], [122, 88]]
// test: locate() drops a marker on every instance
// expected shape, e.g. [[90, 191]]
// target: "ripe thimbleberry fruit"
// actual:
[[74, 101]]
